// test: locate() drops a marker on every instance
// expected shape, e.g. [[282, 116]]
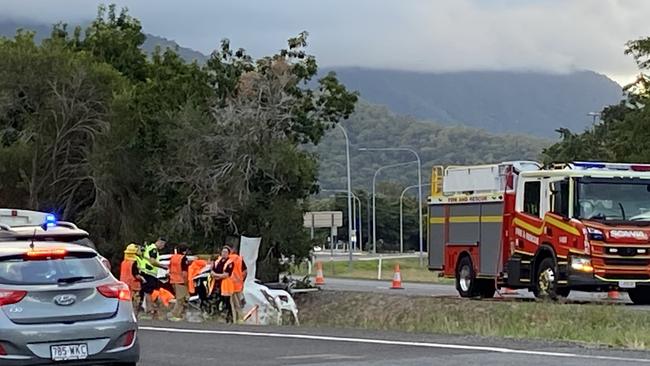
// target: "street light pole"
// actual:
[[356, 198], [417, 156], [347, 155], [374, 186], [401, 216]]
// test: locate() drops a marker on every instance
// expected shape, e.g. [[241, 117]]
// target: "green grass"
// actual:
[[409, 268], [605, 325]]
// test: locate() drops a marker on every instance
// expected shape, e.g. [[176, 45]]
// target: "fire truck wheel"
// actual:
[[466, 278], [640, 296], [546, 280]]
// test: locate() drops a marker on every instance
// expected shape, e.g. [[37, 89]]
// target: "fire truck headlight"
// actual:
[[581, 264], [595, 234]]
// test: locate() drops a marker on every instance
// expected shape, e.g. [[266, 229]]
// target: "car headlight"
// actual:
[[581, 264]]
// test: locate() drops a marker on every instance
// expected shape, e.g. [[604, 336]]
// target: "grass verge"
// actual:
[[409, 268], [604, 325]]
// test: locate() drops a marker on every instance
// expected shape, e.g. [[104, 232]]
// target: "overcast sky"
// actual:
[[425, 35]]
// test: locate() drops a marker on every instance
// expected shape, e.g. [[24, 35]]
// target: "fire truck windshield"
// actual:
[[613, 199]]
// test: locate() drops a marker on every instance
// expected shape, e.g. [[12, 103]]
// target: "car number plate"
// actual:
[[69, 352], [627, 284]]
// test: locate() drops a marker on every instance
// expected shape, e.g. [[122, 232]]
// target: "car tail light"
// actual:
[[128, 338], [118, 291], [8, 297], [48, 253], [2, 351]]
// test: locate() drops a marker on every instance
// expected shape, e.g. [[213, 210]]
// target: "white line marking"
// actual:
[[395, 343], [327, 356]]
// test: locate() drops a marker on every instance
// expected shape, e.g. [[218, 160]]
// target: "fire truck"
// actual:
[[581, 226]]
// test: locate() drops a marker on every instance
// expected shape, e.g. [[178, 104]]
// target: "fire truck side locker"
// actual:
[[472, 228]]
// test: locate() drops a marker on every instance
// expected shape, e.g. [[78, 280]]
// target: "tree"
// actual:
[[624, 129], [242, 164], [131, 147], [56, 104]]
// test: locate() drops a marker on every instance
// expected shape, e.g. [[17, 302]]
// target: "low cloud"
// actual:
[[425, 35]]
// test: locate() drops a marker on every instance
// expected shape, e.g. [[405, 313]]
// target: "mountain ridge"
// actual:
[[521, 102]]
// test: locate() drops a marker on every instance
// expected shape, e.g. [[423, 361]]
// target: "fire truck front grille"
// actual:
[[626, 262], [631, 277]]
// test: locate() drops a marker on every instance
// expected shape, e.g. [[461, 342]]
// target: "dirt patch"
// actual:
[[605, 325]]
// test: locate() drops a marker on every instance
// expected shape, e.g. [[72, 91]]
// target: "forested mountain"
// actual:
[[498, 101], [376, 126]]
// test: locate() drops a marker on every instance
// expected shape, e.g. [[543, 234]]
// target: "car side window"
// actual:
[[532, 193]]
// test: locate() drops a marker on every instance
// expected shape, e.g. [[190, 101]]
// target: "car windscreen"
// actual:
[[17, 270]]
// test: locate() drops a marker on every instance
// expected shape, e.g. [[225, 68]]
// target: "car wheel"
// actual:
[[546, 280], [466, 278], [640, 296]]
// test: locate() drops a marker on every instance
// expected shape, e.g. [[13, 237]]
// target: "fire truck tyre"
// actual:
[[466, 278], [640, 296], [546, 280]]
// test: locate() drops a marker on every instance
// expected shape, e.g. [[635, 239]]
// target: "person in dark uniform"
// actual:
[[221, 271]]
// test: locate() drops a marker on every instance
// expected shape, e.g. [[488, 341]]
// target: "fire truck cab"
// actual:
[[577, 226]]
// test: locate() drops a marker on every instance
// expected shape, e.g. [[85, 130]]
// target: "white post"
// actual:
[[374, 217], [420, 205], [401, 222], [347, 153], [379, 268]]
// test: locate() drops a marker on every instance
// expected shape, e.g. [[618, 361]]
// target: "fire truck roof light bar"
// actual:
[[611, 166]]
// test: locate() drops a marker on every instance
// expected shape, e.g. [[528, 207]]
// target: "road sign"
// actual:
[[321, 219]]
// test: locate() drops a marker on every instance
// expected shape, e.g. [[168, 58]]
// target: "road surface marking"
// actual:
[[327, 356], [395, 343]]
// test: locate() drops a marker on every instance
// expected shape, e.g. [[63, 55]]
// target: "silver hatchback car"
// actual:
[[60, 304]]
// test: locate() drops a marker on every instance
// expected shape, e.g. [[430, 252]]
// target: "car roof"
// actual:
[[17, 247]]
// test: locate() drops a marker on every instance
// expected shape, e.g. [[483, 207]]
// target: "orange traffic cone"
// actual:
[[320, 280], [613, 295], [397, 278]]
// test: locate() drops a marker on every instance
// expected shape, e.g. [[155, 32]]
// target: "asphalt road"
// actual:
[[174, 344], [439, 290]]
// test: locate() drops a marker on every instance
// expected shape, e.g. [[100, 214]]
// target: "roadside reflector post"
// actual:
[[379, 268]]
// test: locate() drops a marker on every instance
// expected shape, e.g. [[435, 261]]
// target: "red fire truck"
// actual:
[[578, 226]]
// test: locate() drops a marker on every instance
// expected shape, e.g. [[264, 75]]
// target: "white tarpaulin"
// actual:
[[249, 249], [264, 304]]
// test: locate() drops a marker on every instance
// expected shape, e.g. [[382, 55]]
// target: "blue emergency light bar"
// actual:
[[612, 166], [50, 220]]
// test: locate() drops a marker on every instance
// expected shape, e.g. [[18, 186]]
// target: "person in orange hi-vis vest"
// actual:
[[222, 270], [130, 274], [193, 270], [162, 294], [238, 276], [178, 277]]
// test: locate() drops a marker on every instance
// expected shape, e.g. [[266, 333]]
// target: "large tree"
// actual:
[[133, 146], [624, 129]]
